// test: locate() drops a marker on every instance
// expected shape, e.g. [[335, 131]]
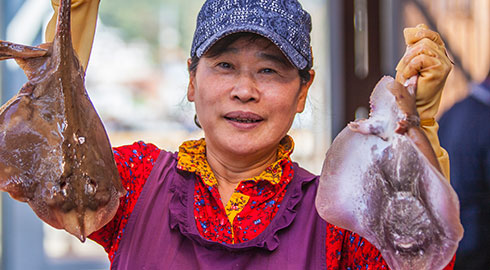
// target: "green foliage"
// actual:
[[141, 19], [136, 19]]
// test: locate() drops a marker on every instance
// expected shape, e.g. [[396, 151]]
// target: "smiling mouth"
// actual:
[[243, 120], [243, 117]]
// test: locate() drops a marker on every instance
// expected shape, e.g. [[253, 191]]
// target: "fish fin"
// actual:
[[15, 189], [19, 196], [30, 59], [360, 126], [9, 50], [17, 142], [369, 127]]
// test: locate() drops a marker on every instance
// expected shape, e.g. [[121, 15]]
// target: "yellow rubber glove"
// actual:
[[426, 56], [83, 21]]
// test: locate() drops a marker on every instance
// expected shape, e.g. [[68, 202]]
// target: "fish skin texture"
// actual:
[[54, 151], [378, 184]]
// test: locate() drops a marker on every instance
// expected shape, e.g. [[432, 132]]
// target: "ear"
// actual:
[[191, 89], [303, 92]]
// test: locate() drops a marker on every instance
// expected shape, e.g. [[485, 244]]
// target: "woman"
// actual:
[[234, 199]]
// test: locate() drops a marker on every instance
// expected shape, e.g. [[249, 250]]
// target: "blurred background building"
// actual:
[[137, 79]]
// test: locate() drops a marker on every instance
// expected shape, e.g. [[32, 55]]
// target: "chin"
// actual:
[[243, 149], [242, 143], [251, 148]]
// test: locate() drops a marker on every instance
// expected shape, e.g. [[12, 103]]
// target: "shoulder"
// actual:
[[303, 173], [137, 149], [135, 162]]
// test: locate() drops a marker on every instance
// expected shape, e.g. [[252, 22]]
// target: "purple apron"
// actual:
[[161, 232]]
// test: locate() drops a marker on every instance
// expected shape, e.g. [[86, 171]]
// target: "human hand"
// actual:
[[426, 56]]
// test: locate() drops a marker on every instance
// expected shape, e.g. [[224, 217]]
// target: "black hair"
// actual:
[[223, 43]]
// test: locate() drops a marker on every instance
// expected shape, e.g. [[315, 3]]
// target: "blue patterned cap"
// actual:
[[284, 22]]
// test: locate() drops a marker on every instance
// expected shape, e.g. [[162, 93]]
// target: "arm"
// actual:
[[134, 163], [430, 128], [426, 56], [84, 19]]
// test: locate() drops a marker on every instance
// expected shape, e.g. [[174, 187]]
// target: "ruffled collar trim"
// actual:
[[182, 212], [192, 158]]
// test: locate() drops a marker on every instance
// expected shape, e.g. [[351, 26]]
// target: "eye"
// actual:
[[224, 65], [267, 70]]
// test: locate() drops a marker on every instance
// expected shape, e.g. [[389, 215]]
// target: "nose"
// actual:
[[245, 88]]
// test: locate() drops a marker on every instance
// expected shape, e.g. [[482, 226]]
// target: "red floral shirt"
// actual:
[[250, 210], [252, 205]]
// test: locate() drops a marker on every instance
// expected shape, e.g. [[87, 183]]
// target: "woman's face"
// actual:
[[246, 97]]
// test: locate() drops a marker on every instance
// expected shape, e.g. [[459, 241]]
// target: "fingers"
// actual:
[[426, 57], [415, 34], [421, 57], [425, 46], [421, 63], [422, 41]]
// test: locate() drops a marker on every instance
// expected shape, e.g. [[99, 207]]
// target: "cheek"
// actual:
[[285, 101], [208, 86], [284, 112], [204, 90], [207, 97], [206, 101]]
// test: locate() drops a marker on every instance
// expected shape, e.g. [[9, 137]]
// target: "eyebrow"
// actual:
[[277, 58], [280, 59]]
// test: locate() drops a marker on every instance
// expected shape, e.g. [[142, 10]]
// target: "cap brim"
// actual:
[[289, 51]]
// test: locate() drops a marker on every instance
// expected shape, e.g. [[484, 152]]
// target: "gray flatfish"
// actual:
[[379, 184]]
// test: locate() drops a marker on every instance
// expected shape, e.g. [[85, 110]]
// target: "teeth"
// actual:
[[244, 120]]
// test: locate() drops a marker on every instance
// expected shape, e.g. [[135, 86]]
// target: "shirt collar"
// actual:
[[192, 158]]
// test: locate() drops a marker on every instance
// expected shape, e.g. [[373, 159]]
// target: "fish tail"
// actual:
[[63, 33]]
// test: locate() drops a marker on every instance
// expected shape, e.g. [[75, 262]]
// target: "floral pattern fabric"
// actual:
[[134, 163], [251, 207], [243, 218]]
